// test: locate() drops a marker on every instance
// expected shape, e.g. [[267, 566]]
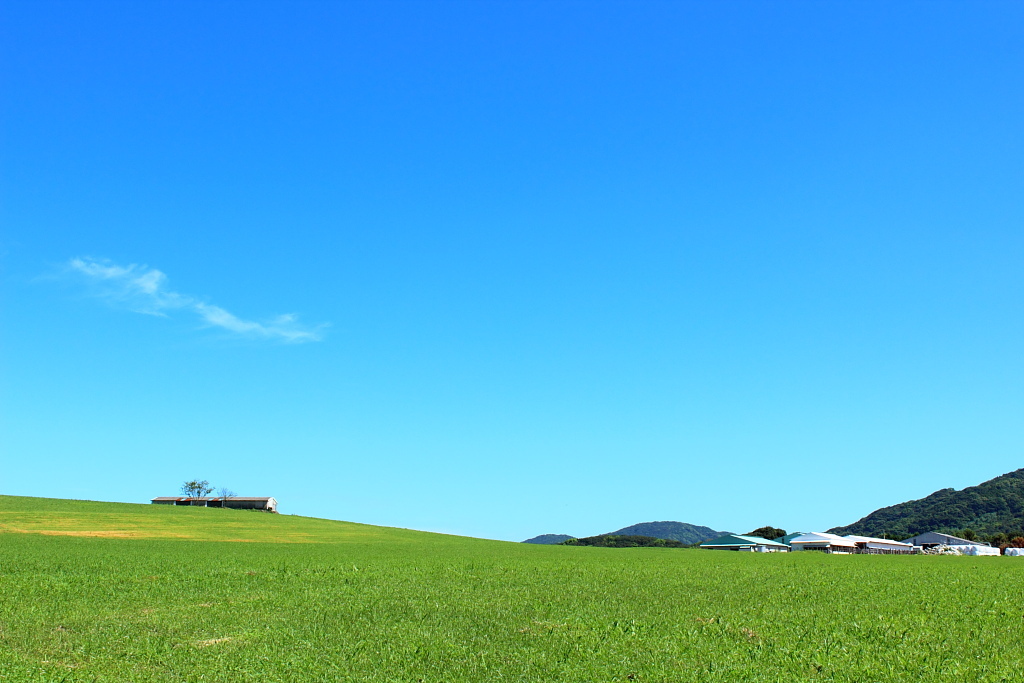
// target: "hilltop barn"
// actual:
[[265, 503], [932, 539], [746, 543]]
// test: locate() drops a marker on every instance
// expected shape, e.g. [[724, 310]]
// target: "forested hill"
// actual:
[[611, 541], [687, 534], [994, 507], [549, 539]]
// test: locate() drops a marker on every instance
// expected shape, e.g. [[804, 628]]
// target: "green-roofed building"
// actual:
[[750, 544]]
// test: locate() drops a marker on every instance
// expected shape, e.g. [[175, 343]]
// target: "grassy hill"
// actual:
[[114, 592], [89, 519], [993, 507]]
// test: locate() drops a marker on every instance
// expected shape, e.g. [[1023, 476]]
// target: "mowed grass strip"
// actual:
[[427, 607]]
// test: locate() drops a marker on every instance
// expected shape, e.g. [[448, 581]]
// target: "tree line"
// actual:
[[197, 488], [613, 541]]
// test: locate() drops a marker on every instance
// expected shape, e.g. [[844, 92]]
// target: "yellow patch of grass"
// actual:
[[214, 641]]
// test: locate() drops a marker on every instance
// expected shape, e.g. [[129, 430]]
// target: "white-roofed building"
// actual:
[[754, 544], [881, 546], [823, 542]]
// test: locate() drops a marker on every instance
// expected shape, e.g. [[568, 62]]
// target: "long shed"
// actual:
[[881, 546], [823, 542], [745, 543], [931, 539], [265, 503]]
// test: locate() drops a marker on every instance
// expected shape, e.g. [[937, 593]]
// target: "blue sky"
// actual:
[[503, 269]]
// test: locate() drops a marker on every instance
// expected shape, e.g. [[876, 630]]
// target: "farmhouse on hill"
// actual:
[[264, 503]]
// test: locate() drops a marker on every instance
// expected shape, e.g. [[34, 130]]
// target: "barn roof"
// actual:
[[879, 542], [823, 537], [738, 541], [789, 537], [938, 537]]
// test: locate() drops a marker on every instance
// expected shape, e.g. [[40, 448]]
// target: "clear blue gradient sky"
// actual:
[[510, 268]]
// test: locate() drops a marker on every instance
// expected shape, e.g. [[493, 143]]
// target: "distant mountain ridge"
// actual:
[[992, 507], [687, 534], [549, 539]]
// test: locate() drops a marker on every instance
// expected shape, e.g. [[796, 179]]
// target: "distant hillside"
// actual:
[[548, 539], [996, 506], [688, 534], [618, 541]]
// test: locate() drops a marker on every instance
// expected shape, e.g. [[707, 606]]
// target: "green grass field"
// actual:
[[117, 592]]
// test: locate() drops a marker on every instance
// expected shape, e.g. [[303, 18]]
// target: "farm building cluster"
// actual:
[[264, 503], [928, 543], [821, 541]]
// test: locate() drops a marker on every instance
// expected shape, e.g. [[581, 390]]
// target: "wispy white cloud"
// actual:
[[144, 290]]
